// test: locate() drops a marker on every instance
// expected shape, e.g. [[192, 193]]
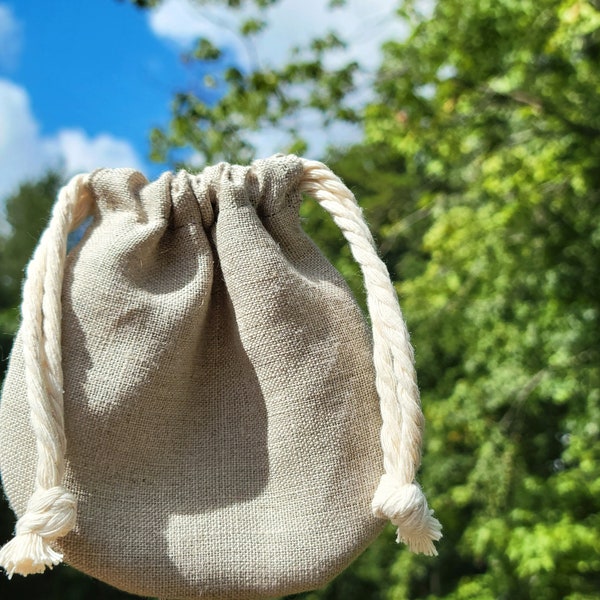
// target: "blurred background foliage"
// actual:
[[479, 172]]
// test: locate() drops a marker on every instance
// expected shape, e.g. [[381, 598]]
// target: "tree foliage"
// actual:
[[26, 215], [217, 116], [480, 174], [493, 107]]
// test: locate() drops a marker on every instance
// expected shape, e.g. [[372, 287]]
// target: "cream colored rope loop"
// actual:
[[398, 497], [51, 510]]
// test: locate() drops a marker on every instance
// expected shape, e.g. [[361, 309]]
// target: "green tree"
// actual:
[[484, 127], [27, 211], [217, 116], [492, 104]]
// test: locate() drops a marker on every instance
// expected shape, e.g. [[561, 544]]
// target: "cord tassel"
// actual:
[[406, 507], [397, 498], [50, 514], [51, 510]]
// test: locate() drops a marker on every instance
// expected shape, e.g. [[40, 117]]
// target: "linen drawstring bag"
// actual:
[[195, 406]]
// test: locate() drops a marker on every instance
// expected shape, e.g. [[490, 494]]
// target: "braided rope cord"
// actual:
[[397, 497], [51, 510]]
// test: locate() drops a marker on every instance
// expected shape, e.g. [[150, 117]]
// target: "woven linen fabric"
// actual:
[[221, 416]]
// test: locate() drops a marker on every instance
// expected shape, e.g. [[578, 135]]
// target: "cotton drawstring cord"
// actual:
[[51, 509], [398, 497]]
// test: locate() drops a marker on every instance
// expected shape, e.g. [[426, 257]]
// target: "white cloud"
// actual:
[[181, 21], [22, 152], [25, 153], [271, 140], [83, 153], [11, 38], [363, 24]]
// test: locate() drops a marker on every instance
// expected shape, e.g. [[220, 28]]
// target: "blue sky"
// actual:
[[87, 69], [83, 83], [95, 65]]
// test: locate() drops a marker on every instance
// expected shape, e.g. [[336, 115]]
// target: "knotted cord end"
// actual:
[[406, 507], [50, 514]]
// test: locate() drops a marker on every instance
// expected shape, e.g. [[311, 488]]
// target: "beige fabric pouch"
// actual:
[[194, 402]]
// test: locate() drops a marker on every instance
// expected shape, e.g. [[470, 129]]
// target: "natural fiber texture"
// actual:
[[220, 414]]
